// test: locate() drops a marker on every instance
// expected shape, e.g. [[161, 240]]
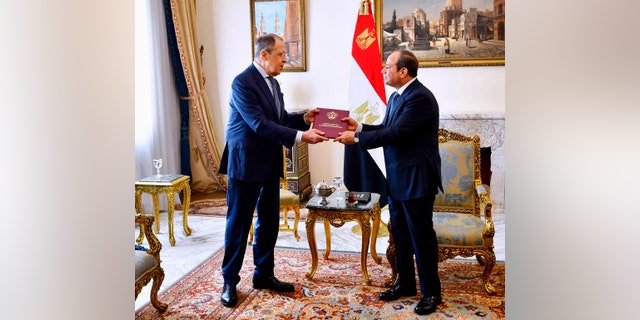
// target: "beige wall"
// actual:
[[226, 35]]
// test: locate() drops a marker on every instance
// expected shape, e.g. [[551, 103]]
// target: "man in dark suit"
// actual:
[[252, 159], [409, 137]]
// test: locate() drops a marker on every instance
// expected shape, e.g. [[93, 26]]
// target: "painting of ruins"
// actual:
[[443, 33]]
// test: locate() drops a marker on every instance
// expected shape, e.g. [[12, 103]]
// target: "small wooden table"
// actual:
[[337, 213], [169, 184]]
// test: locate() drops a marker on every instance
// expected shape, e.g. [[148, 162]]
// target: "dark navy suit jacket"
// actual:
[[409, 137], [253, 161], [255, 134]]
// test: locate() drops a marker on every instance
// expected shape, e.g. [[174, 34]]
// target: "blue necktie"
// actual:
[[275, 95], [391, 109]]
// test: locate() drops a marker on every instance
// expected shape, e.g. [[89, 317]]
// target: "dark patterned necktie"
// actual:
[[392, 108], [275, 95]]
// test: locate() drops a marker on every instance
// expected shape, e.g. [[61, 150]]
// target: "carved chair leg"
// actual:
[[481, 259], [391, 257], [250, 241], [296, 220], [157, 281], [489, 259]]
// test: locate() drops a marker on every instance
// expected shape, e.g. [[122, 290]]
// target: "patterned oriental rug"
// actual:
[[337, 291]]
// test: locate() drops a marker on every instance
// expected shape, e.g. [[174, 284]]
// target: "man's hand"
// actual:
[[352, 124], [313, 136], [346, 137], [310, 116]]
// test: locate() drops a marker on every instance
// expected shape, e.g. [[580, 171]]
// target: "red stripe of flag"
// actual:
[[366, 51]]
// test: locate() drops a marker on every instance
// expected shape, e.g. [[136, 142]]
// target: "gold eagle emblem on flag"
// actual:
[[365, 39]]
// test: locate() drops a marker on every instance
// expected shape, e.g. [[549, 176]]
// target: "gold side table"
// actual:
[[169, 184], [337, 213]]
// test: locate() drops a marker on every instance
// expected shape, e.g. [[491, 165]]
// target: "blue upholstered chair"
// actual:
[[147, 262], [462, 214]]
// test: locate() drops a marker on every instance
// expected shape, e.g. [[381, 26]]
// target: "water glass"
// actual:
[[337, 183]]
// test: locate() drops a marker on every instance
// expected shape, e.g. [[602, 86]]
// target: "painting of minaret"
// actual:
[[292, 33], [286, 19], [277, 28], [263, 26]]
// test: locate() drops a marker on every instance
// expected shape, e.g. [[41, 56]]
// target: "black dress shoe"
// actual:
[[273, 284], [229, 297], [397, 291], [428, 305]]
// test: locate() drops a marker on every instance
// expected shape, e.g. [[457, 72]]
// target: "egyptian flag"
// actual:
[[365, 170]]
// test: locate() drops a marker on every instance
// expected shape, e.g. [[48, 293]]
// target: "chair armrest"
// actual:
[[486, 205], [146, 221]]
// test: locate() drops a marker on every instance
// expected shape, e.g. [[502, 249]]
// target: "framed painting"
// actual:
[[443, 33], [286, 19]]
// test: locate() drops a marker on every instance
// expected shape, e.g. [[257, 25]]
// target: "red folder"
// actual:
[[328, 121]]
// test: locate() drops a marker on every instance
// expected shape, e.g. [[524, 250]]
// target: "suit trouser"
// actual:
[[413, 233], [242, 198]]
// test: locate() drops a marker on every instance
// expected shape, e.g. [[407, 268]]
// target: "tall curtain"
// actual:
[[204, 151], [156, 102]]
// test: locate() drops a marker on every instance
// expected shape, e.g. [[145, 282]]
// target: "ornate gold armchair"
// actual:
[[289, 202], [147, 263], [462, 214]]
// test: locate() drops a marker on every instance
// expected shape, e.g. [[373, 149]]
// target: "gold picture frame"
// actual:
[[443, 37], [286, 19]]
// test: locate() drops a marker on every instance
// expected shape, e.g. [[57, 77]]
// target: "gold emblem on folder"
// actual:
[[332, 115]]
